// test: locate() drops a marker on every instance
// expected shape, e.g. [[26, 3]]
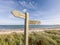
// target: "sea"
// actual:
[[30, 26]]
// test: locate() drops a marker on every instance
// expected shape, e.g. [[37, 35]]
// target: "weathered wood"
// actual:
[[26, 17], [18, 14], [34, 22], [26, 28]]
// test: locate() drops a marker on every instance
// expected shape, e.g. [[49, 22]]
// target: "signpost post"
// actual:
[[26, 17]]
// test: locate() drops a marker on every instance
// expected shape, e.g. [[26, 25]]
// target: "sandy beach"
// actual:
[[8, 31]]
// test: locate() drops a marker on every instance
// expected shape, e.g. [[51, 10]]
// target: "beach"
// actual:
[[8, 31]]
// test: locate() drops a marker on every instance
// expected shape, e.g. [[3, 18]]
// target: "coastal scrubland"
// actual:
[[47, 37]]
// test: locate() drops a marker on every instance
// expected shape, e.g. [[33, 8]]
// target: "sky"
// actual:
[[46, 11]]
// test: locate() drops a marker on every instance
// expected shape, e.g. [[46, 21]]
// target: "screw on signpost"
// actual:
[[26, 17]]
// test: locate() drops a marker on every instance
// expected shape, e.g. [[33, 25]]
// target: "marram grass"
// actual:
[[49, 37]]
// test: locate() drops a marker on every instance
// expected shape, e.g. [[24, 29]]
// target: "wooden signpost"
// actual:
[[18, 14], [26, 18]]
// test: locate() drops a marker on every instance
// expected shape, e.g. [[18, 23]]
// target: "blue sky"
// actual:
[[46, 11]]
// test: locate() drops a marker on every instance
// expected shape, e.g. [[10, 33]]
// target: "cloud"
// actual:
[[50, 22], [11, 22], [48, 13], [6, 17], [29, 5], [24, 10], [47, 17]]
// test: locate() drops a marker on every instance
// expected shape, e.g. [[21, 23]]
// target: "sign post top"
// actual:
[[18, 14], [26, 17]]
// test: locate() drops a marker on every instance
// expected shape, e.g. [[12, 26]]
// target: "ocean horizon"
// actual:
[[30, 26]]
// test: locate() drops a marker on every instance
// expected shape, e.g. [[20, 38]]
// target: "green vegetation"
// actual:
[[51, 37]]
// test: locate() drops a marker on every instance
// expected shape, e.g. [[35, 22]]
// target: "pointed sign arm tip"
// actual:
[[18, 14]]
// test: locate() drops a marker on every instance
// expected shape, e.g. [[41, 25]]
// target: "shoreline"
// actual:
[[8, 31]]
